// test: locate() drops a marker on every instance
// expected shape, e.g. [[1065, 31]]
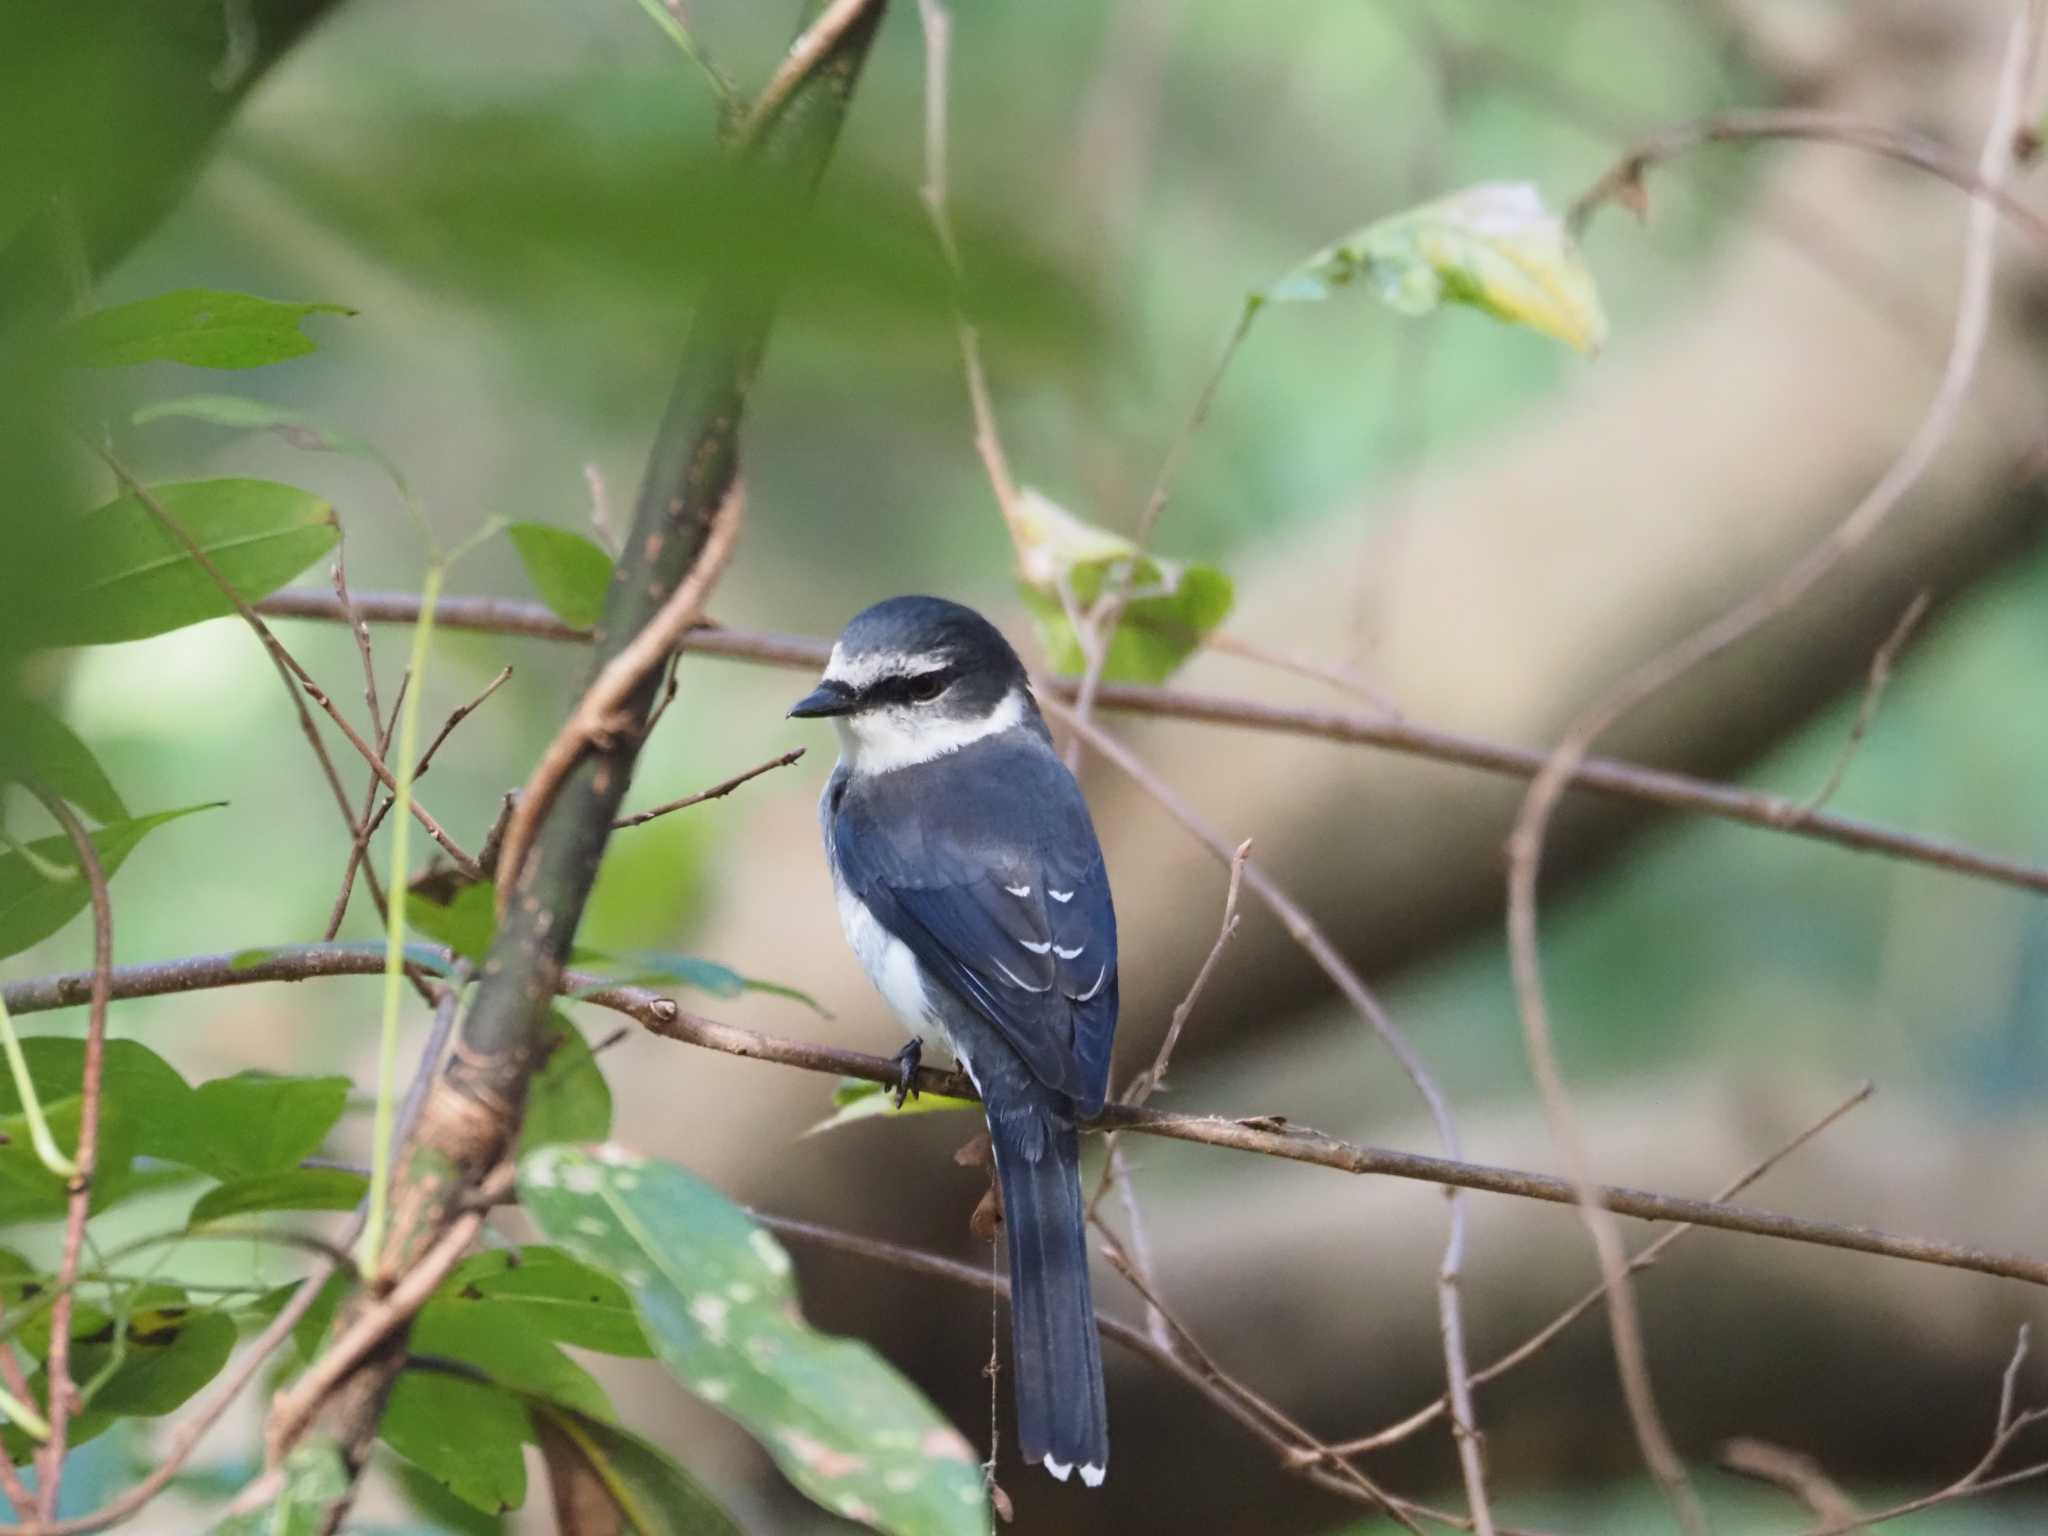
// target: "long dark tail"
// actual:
[[1061, 1420]]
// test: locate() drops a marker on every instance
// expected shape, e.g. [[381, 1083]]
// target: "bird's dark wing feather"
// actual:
[[986, 865]]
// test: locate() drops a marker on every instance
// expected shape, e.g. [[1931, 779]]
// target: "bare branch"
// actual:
[[1604, 776], [1799, 1475], [715, 792], [1148, 1082]]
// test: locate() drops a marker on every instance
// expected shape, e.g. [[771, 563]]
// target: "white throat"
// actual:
[[901, 736]]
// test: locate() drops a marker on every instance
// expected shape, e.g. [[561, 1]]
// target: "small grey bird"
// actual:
[[972, 888]]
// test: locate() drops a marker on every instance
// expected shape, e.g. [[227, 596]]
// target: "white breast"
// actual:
[[887, 960]]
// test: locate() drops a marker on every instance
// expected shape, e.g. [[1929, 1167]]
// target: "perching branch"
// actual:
[[1266, 1136]]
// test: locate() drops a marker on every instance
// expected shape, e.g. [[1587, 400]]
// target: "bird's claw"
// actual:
[[908, 1060]]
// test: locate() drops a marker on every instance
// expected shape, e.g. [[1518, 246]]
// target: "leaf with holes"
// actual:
[[571, 573], [858, 1099], [1494, 247], [1170, 608], [610, 1483], [715, 1294], [32, 906], [37, 747], [140, 580], [201, 327]]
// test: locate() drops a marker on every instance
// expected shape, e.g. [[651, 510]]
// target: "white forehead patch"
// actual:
[[858, 672]]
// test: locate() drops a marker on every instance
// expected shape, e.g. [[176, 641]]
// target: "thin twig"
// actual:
[[1798, 1474], [599, 712], [1148, 1082], [1604, 776], [366, 825], [1543, 1337], [288, 668], [1525, 845], [63, 1392], [357, 628], [1258, 1135], [455, 718], [1873, 694], [1622, 182], [715, 792], [1305, 932]]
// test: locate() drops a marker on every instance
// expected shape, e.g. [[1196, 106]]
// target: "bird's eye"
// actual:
[[924, 689]]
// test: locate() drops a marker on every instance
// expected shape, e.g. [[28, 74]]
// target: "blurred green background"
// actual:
[[515, 196]]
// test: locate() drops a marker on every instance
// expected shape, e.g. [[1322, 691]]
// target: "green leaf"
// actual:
[[442, 1511], [311, 1329], [139, 580], [142, 1102], [171, 1351], [466, 1436], [571, 573], [493, 1339], [295, 427], [32, 908], [314, 1477], [569, 1099], [715, 1294], [556, 1295], [454, 911], [202, 327], [858, 1099], [296, 1189], [35, 744], [253, 1124], [1493, 246], [596, 1466], [1171, 607]]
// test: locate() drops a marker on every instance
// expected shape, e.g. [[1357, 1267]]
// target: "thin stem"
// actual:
[[48, 1153], [394, 928], [716, 791]]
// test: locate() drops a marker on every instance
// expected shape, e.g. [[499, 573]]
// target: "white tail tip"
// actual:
[[1093, 1476], [1062, 1469]]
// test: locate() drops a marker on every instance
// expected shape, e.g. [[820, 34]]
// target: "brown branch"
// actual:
[[1316, 944], [1148, 1082], [1881, 665], [1543, 1337], [812, 47], [1798, 1474], [715, 792], [1258, 1135], [1525, 845], [1623, 182], [1609, 777], [63, 1392], [365, 826], [601, 712]]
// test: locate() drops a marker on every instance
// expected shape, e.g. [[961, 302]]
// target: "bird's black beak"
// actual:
[[828, 698]]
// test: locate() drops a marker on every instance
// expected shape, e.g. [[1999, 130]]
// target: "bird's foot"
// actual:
[[908, 1060]]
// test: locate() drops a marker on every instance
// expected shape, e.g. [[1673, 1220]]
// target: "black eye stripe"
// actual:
[[921, 688]]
